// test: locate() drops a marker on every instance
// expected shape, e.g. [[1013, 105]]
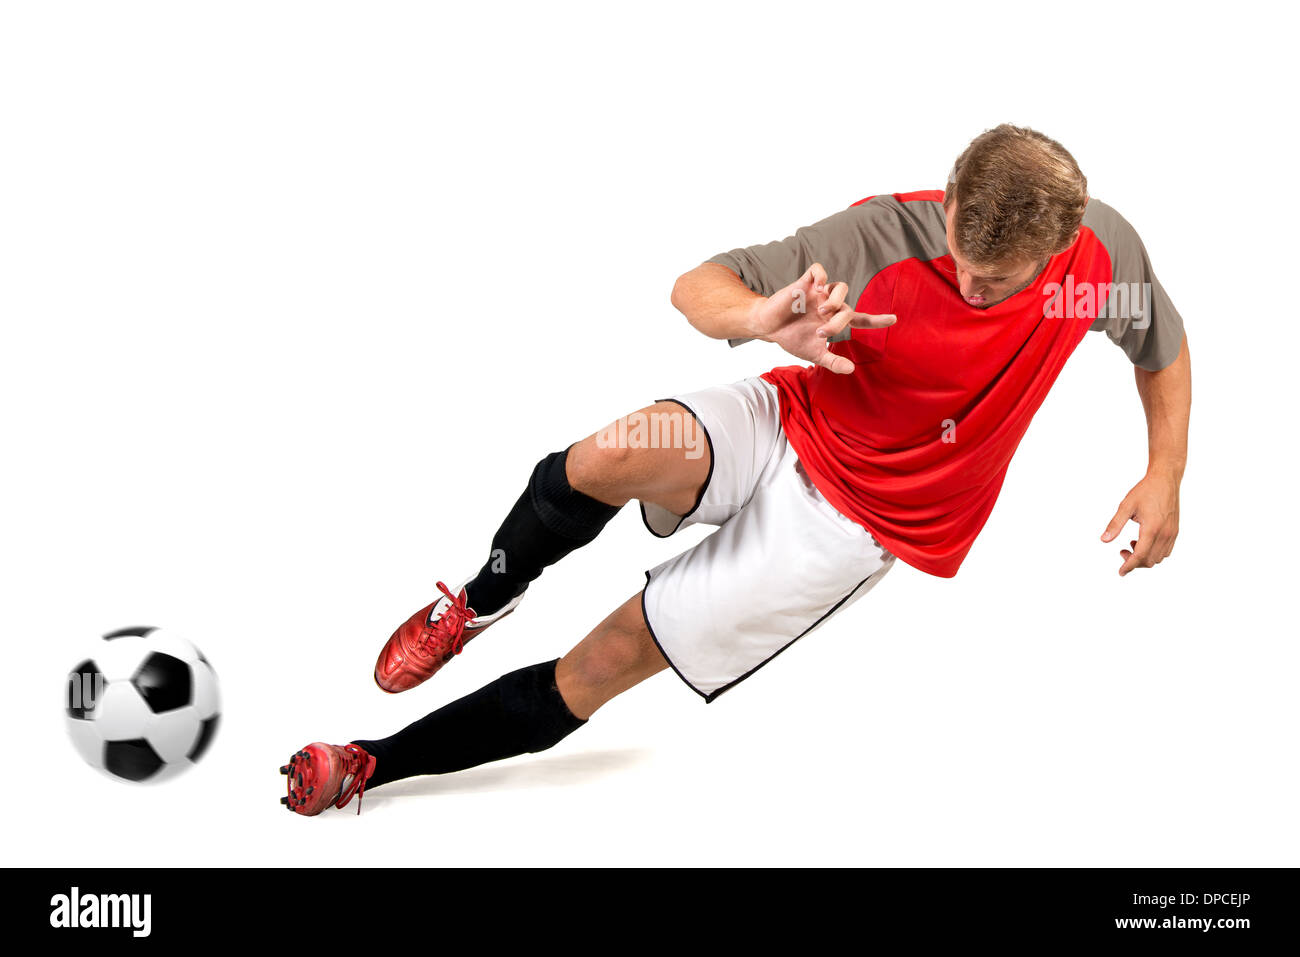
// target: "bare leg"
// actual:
[[618, 654], [615, 475]]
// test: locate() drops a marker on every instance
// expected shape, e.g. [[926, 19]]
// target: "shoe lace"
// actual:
[[355, 760], [451, 623]]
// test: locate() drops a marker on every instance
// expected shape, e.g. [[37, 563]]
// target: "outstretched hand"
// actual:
[[1153, 504], [803, 316]]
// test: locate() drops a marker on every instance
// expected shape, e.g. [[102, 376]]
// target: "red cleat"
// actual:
[[430, 638], [323, 774]]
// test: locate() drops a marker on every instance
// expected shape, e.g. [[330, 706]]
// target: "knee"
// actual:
[[619, 659], [599, 470], [617, 655]]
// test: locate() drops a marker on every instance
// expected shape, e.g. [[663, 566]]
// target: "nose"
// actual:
[[968, 285]]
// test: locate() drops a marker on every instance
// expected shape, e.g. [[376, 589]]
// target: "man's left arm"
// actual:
[[1141, 319], [1153, 502]]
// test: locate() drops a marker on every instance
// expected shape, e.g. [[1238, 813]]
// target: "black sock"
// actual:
[[519, 712], [550, 519]]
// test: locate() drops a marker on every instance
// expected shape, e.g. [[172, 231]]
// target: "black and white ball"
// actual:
[[143, 706]]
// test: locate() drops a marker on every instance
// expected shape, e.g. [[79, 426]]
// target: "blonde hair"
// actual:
[[1020, 195]]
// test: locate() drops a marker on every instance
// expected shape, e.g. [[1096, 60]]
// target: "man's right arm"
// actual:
[[718, 303], [803, 318], [774, 291]]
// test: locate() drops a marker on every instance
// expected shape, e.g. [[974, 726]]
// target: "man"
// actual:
[[935, 323]]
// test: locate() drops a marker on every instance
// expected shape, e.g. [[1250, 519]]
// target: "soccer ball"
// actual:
[[144, 706]]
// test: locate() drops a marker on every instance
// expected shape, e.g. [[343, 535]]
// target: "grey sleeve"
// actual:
[[853, 245], [771, 266], [835, 242], [1138, 315]]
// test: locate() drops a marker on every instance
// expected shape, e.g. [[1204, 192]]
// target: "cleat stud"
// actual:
[[284, 800], [285, 769], [310, 789], [299, 779]]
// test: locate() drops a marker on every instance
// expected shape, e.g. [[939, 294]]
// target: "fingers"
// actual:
[[858, 320], [1148, 550], [862, 320], [836, 316], [1139, 557], [835, 301], [837, 364], [1132, 559], [832, 311], [1118, 522], [815, 276]]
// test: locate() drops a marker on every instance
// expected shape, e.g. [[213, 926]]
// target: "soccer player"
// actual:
[[931, 326]]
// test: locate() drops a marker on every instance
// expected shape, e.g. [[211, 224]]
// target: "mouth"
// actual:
[[975, 300]]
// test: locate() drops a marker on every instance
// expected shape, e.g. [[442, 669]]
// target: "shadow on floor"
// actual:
[[514, 774]]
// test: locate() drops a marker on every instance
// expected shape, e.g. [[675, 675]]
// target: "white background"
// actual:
[[295, 294]]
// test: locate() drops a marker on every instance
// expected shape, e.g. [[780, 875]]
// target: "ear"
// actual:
[[1074, 238]]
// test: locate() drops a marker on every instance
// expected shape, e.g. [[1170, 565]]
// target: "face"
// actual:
[[985, 287]]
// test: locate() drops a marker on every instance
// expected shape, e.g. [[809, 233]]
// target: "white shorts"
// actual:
[[782, 561]]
